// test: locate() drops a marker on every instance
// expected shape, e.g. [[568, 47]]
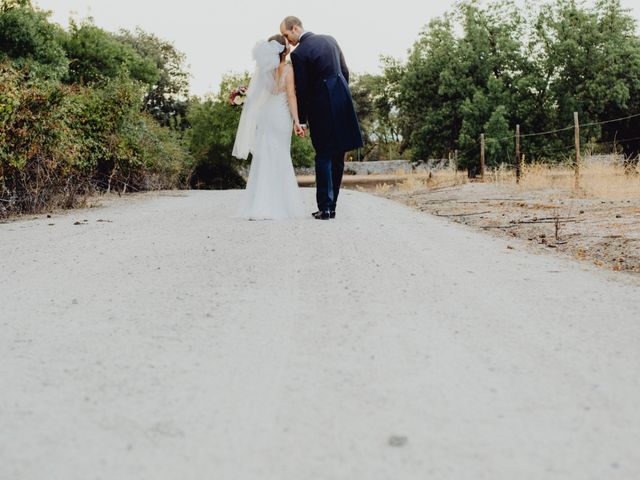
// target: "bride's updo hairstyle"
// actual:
[[280, 39]]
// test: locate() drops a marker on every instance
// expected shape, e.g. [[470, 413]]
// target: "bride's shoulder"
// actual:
[[286, 71], [288, 67]]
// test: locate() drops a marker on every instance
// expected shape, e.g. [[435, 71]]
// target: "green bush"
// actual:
[[96, 55], [485, 67], [166, 98], [59, 142], [302, 152], [73, 111], [31, 43], [211, 138], [213, 125]]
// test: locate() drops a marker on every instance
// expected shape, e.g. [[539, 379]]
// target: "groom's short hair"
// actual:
[[290, 22]]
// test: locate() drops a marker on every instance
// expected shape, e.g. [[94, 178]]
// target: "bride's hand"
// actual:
[[298, 129]]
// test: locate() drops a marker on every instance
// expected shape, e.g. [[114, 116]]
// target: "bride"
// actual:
[[267, 117]]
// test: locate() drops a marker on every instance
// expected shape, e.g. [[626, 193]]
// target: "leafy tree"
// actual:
[[373, 97], [211, 136], [30, 42], [499, 138], [595, 55], [302, 152], [10, 4], [213, 125], [432, 91], [487, 68], [96, 55], [61, 140], [362, 87], [167, 98]]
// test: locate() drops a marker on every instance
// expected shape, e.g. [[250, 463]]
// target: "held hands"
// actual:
[[299, 129]]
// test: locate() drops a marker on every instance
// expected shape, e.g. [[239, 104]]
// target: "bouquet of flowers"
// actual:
[[238, 96]]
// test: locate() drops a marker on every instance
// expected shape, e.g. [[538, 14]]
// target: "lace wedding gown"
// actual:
[[272, 191]]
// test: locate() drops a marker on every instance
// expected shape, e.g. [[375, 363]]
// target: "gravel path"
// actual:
[[162, 339]]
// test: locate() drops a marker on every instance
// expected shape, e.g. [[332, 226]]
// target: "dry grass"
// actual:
[[598, 222], [432, 180], [597, 180]]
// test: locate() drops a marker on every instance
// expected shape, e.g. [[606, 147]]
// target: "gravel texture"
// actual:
[[159, 338]]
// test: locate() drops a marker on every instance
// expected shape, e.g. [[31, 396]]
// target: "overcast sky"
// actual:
[[217, 35]]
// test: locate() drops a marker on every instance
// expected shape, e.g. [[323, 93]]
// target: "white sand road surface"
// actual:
[[163, 339]]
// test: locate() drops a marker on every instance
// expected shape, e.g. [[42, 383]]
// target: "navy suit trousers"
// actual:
[[329, 170]]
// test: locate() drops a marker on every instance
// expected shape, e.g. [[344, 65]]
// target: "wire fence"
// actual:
[[479, 145]]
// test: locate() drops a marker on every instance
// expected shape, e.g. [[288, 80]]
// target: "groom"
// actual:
[[325, 106]]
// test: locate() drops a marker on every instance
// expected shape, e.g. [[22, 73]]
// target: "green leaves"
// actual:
[[210, 139], [499, 145], [56, 139], [166, 97], [96, 55], [71, 110], [302, 152], [211, 136], [485, 69], [31, 43]]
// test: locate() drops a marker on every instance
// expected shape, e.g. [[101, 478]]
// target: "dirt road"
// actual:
[[160, 338]]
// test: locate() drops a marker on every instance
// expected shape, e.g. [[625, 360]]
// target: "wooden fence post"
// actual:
[[518, 157], [482, 156], [576, 166]]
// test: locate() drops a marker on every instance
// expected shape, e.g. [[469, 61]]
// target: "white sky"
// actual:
[[217, 35]]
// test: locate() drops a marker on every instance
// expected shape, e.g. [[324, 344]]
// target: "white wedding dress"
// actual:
[[272, 191]]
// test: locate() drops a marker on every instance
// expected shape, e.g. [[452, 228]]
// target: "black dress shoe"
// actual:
[[322, 215], [332, 214]]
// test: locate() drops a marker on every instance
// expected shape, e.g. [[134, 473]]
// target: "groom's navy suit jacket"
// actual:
[[324, 98]]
